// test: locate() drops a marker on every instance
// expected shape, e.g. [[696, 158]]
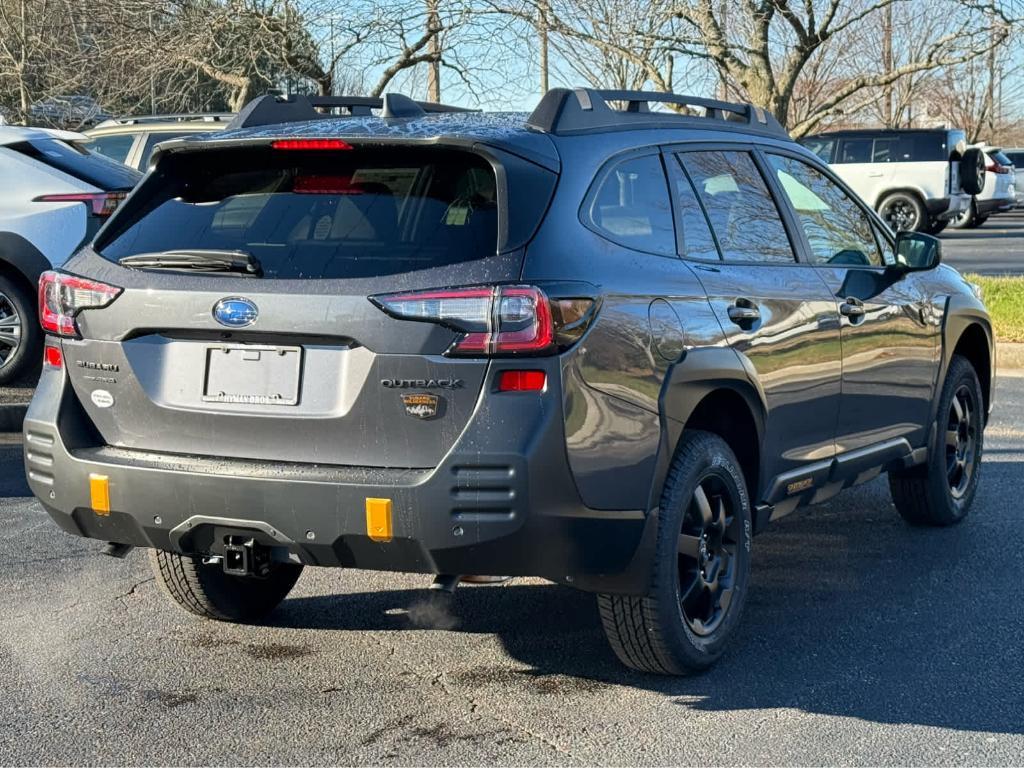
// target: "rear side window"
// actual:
[[75, 161], [310, 215], [743, 214], [630, 206], [893, 150], [1017, 158], [855, 151], [116, 147]]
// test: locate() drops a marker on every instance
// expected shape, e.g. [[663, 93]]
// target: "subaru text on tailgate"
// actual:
[[599, 344]]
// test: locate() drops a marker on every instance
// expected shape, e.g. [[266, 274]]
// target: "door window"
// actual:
[[855, 151], [837, 229], [116, 147], [631, 206], [695, 238], [741, 210]]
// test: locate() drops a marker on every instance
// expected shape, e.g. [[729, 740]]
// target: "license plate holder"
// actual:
[[252, 374]]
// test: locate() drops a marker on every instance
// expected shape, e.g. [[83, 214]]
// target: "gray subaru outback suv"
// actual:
[[600, 344]]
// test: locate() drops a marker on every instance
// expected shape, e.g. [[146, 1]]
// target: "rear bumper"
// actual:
[[503, 501], [944, 208]]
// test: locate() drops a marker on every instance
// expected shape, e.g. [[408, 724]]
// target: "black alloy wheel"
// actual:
[[961, 440], [710, 534]]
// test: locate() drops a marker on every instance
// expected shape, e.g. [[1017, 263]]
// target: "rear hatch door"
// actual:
[[295, 365]]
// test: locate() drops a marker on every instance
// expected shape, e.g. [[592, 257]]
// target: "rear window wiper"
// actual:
[[198, 260]]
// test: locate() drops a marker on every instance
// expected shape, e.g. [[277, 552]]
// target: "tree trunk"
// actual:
[[434, 71]]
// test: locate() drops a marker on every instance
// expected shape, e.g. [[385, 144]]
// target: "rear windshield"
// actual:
[[75, 161], [316, 214]]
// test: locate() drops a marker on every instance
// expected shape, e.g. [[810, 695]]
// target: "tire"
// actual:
[[979, 220], [935, 226], [940, 491], [21, 338], [966, 219], [903, 211], [207, 591], [673, 630], [972, 171]]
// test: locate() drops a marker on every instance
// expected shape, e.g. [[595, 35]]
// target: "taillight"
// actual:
[[495, 320], [61, 297], [996, 168], [310, 144], [100, 204]]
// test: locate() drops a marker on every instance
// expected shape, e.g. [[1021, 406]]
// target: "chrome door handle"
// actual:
[[744, 311], [852, 308]]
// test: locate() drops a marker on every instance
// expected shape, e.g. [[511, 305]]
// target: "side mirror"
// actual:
[[916, 251]]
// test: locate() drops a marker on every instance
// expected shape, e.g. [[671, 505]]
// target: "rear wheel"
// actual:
[[701, 567], [903, 211], [935, 226], [941, 491], [966, 219], [21, 338], [979, 220], [205, 590]]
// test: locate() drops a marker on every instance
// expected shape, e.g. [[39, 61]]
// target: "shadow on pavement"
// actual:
[[852, 613]]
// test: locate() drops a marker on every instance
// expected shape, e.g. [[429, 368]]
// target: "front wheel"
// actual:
[[941, 491], [205, 590], [701, 567]]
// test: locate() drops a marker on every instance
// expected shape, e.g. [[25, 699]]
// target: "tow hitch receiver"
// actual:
[[244, 557]]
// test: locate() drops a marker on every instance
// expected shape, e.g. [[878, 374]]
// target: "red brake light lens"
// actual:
[[310, 144], [61, 297], [100, 204], [522, 381], [501, 320]]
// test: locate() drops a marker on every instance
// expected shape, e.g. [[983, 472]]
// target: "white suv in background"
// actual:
[[916, 179], [1016, 156], [54, 196]]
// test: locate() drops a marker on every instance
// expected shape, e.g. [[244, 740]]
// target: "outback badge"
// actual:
[[421, 405]]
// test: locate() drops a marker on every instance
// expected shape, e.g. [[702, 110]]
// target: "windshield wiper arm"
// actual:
[[197, 261]]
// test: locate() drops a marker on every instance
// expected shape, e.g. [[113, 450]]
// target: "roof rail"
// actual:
[[204, 117], [269, 110], [583, 110]]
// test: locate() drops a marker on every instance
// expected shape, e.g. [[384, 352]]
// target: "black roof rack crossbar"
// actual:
[[563, 111], [270, 109]]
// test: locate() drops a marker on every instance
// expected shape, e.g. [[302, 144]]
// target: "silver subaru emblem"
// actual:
[[235, 312]]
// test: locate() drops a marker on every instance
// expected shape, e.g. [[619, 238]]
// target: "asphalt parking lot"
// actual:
[[994, 248], [865, 641]]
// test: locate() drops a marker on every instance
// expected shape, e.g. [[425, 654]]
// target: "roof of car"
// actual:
[[880, 131], [561, 113], [14, 134], [502, 129]]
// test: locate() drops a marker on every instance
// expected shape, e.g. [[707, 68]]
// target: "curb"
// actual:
[[1009, 357], [12, 415]]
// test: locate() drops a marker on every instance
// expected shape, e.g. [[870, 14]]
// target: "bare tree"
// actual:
[[761, 50]]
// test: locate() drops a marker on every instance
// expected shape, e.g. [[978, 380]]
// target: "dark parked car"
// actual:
[[597, 345]]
